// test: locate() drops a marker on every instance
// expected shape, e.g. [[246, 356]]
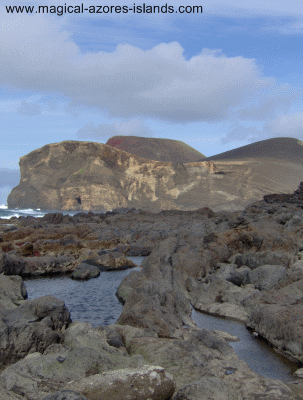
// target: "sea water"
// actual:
[[8, 213], [92, 300]]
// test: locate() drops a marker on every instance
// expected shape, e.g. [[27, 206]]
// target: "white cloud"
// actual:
[[290, 125], [276, 100], [134, 127], [129, 82], [286, 125]]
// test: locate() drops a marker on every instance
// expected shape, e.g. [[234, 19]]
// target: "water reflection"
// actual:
[[95, 301], [92, 300], [259, 356]]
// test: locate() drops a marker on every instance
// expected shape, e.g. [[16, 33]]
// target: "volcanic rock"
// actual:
[[12, 291], [156, 149], [32, 326], [146, 383], [65, 395], [85, 271], [92, 176], [267, 277], [243, 264]]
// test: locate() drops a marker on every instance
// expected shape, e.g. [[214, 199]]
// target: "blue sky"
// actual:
[[217, 80]]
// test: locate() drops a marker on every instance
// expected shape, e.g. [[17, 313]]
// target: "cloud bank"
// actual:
[[159, 83], [290, 125]]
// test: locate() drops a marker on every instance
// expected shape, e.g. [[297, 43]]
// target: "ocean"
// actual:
[[8, 213]]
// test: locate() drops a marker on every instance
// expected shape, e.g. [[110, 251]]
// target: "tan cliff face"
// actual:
[[75, 175]]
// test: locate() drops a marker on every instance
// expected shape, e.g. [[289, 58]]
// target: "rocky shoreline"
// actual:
[[246, 265]]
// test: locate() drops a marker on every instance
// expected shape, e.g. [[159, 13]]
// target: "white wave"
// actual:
[[3, 207], [10, 216]]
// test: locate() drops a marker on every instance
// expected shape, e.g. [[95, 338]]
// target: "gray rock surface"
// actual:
[[12, 291], [211, 260], [114, 261], [85, 271], [15, 264], [220, 297], [152, 295], [12, 264], [38, 375], [255, 260], [207, 388], [145, 383], [204, 354], [281, 325], [65, 395], [31, 327], [266, 277]]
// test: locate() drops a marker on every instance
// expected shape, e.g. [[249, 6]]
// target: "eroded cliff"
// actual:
[[74, 175]]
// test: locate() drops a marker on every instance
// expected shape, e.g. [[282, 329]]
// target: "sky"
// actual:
[[216, 80]]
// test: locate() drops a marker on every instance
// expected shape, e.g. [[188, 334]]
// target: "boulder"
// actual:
[[254, 260], [47, 265], [227, 336], [128, 284], [27, 249], [266, 277], [105, 341], [7, 395], [153, 296], [146, 383], [128, 333], [281, 325], [13, 264], [31, 327], [71, 241], [138, 251], [297, 266], [203, 354], [83, 334], [232, 273], [12, 291], [219, 297], [113, 261], [240, 276], [86, 351], [299, 373], [38, 375], [224, 270], [85, 271]]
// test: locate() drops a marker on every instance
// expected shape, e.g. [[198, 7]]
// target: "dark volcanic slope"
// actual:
[[165, 150], [288, 149]]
